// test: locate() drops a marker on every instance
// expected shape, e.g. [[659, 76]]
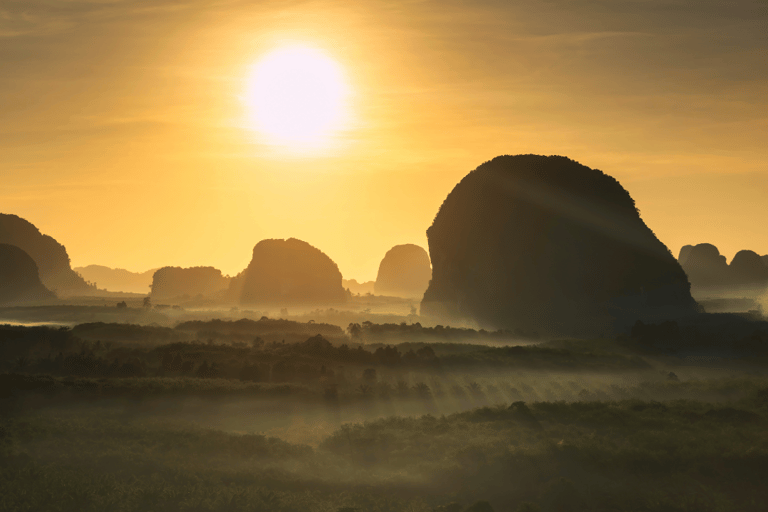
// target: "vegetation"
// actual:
[[227, 416]]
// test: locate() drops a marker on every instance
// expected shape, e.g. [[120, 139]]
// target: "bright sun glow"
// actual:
[[296, 97]]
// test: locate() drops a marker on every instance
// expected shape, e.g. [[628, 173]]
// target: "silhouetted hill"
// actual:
[[748, 269], [169, 282], [708, 271], [50, 256], [685, 252], [705, 266], [545, 243], [19, 279], [117, 279], [358, 288], [290, 271], [405, 271]]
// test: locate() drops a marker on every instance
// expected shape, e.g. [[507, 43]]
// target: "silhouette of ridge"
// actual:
[[705, 266], [49, 255], [19, 278], [708, 270], [685, 253], [358, 288], [545, 243], [747, 268], [405, 271], [117, 279], [287, 272]]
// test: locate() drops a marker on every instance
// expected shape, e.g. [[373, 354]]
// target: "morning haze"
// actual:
[[134, 110], [383, 256]]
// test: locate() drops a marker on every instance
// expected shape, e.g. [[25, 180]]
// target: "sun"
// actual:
[[296, 96]]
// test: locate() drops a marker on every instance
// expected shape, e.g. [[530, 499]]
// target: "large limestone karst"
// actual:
[[708, 271], [49, 255], [747, 269], [705, 266], [174, 282], [544, 243], [19, 278], [685, 252], [405, 271], [291, 271]]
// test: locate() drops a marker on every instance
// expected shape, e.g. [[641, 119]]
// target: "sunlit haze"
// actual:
[[142, 134]]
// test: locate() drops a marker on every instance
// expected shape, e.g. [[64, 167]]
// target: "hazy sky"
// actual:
[[124, 135]]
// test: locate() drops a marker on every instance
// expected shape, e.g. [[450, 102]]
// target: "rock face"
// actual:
[[50, 256], [170, 282], [685, 252], [748, 269], [117, 279], [284, 272], [708, 271], [705, 266], [405, 271], [544, 243], [19, 279]]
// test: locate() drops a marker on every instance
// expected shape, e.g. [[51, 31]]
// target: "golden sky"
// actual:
[[124, 134]]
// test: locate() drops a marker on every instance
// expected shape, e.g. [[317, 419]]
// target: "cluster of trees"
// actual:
[[64, 352], [402, 332], [731, 333]]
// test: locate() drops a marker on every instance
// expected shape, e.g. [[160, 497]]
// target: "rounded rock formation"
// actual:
[[405, 271], [706, 267], [544, 243], [285, 272], [747, 269], [19, 278]]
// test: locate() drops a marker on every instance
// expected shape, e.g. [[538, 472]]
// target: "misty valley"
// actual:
[[546, 353]]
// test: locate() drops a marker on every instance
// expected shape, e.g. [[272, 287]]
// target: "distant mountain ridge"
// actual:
[[117, 279], [49, 255], [358, 288]]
